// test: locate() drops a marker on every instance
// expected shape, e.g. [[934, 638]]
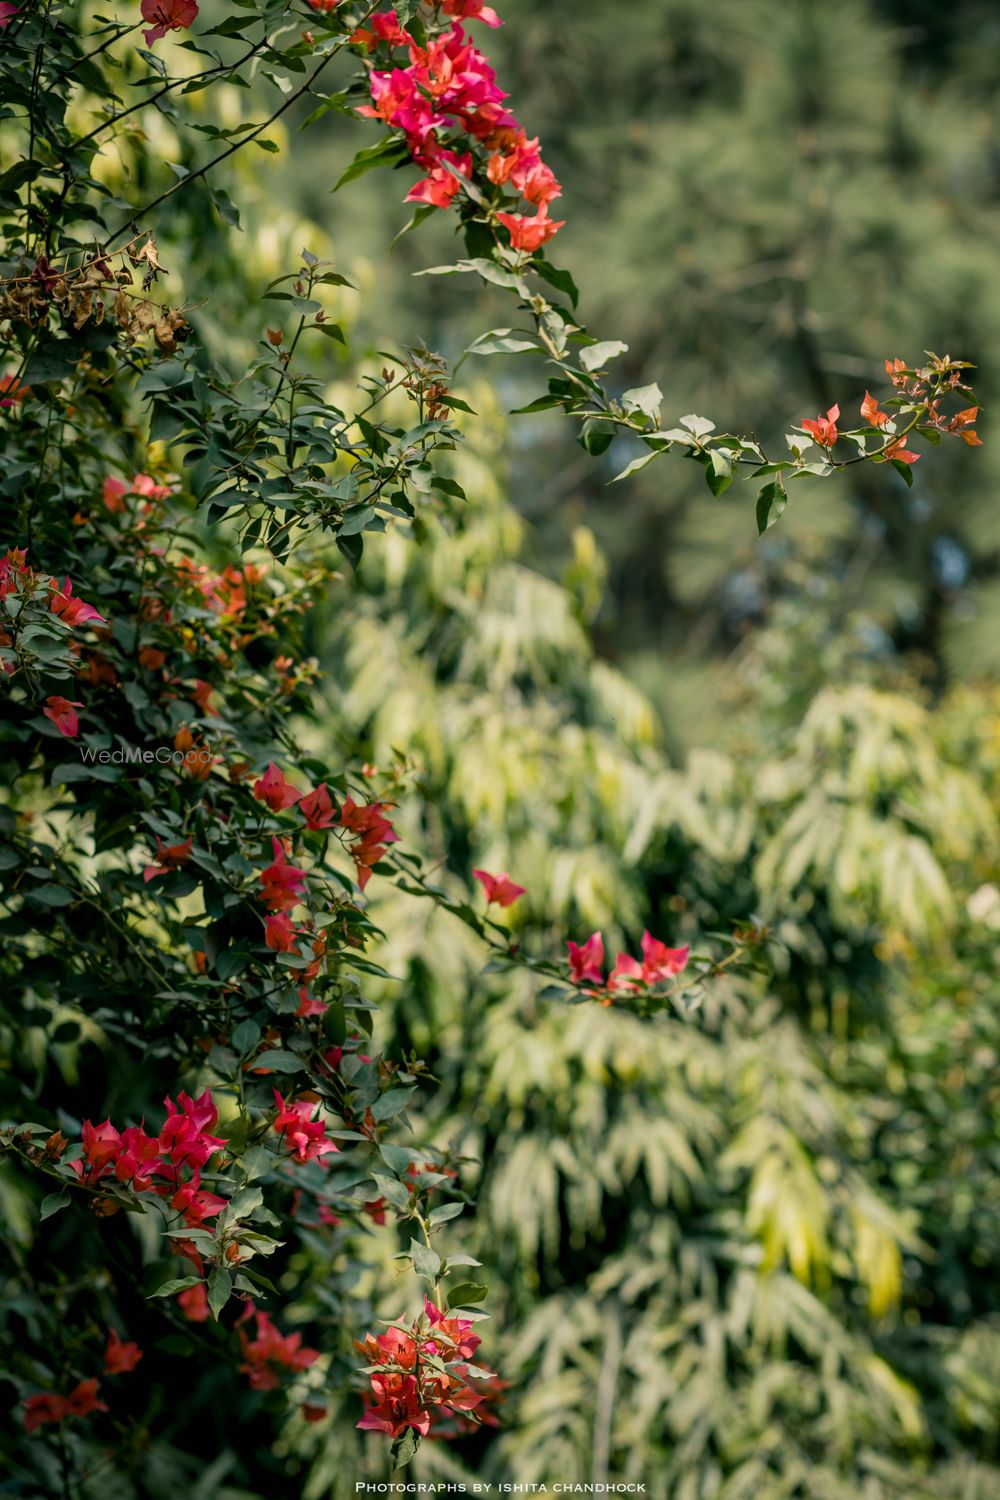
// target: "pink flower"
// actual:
[[901, 453], [282, 884], [63, 715], [279, 933], [307, 1137], [471, 10], [80, 1402], [824, 429], [308, 1006], [317, 808], [530, 233], [193, 1303], [7, 14], [499, 888], [270, 1352], [586, 960], [71, 610], [168, 857], [275, 791], [166, 15], [659, 961], [120, 1358]]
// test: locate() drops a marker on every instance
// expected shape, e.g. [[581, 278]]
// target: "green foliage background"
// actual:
[[752, 1257]]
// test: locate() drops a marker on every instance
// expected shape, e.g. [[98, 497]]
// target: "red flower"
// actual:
[[317, 808], [71, 610], [63, 715], [373, 833], [530, 233], [824, 429], [270, 1352], [307, 1137], [280, 933], [166, 15], [900, 453], [80, 1402], [168, 857], [499, 888], [282, 884], [308, 1006], [273, 789], [471, 10], [871, 413], [961, 422], [120, 1358], [12, 389], [193, 1303], [586, 960], [659, 961], [310, 1412]]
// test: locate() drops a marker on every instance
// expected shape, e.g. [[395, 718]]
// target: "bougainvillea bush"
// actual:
[[199, 1132]]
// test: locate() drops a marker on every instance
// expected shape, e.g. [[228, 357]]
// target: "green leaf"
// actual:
[[247, 1034], [636, 465], [445, 1212], [280, 1061], [718, 472], [256, 1162], [426, 1262], [53, 1203], [220, 1286], [387, 153], [596, 436], [177, 1284], [771, 504], [645, 398], [244, 1203], [596, 356], [404, 1448], [466, 1293], [392, 1103]]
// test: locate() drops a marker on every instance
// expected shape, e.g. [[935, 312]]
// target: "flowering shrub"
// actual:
[[185, 889]]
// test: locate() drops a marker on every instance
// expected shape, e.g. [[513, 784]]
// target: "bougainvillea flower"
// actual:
[[119, 1357], [63, 715], [271, 1352], [46, 1407], [310, 1412], [138, 1159], [962, 422], [471, 10], [101, 1144], [280, 933], [308, 1006], [307, 1137], [275, 791], [166, 15], [282, 884], [168, 857], [195, 1204], [456, 1332], [499, 888], [824, 429], [113, 494], [384, 27], [530, 233], [586, 960], [627, 975], [373, 833], [872, 413], [659, 961], [80, 1402], [184, 1139], [901, 453], [317, 808], [439, 187], [11, 389], [193, 1303], [71, 610]]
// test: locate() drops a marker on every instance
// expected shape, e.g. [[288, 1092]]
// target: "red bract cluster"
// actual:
[[305, 1137], [49, 1407], [270, 1353], [586, 966], [158, 1164], [498, 888], [921, 392], [166, 15], [420, 1374], [451, 111]]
